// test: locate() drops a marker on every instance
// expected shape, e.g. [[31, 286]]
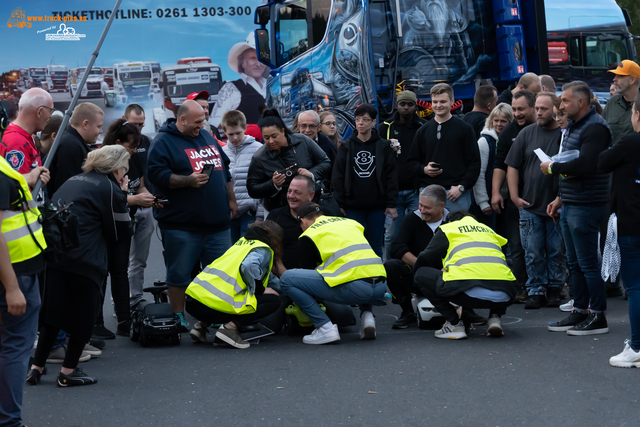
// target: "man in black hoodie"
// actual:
[[402, 128], [364, 177]]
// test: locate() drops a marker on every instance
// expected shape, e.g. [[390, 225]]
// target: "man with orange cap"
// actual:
[[617, 112]]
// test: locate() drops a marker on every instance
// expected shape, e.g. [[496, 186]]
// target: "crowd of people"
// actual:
[[508, 203]]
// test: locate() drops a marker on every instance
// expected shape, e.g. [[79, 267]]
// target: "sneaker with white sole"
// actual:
[[231, 337], [58, 354], [199, 333], [451, 332], [322, 335], [627, 359], [367, 326], [568, 322], [567, 307], [91, 350], [495, 327]]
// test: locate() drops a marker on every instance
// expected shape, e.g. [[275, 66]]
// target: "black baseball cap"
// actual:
[[307, 208]]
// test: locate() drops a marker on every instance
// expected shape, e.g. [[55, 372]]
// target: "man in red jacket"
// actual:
[[17, 146]]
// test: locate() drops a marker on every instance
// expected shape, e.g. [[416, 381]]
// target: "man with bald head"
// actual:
[[188, 168], [82, 131], [309, 125], [528, 81], [17, 146]]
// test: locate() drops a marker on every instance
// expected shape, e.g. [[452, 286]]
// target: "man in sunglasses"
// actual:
[[17, 146]]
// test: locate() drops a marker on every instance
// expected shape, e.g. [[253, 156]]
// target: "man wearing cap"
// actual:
[[402, 128], [338, 265], [617, 112], [248, 92], [202, 98]]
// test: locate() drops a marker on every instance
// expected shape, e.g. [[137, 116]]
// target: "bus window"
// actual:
[[604, 53], [291, 31], [576, 56], [320, 11]]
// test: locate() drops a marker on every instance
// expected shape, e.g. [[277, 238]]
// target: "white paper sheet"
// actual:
[[541, 155]]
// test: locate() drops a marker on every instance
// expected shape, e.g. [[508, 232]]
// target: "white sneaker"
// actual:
[[567, 307], [627, 359], [495, 327], [451, 332], [322, 336], [93, 351], [367, 326]]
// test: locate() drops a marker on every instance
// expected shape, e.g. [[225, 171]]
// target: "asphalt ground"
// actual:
[[529, 377]]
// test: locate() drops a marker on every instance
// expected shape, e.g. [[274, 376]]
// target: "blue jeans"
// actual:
[[373, 223], [240, 225], [182, 249], [407, 203], [17, 335], [629, 269], [304, 286], [580, 226], [543, 252]]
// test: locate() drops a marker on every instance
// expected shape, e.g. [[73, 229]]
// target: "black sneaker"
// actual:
[[99, 331], [596, 323], [404, 321], [123, 328], [535, 302], [97, 343], [568, 322], [472, 318], [554, 299], [77, 377], [613, 291], [33, 377], [521, 296]]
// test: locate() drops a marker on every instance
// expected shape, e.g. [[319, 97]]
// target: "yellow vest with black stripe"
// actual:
[[346, 254], [475, 252], [21, 243], [220, 285]]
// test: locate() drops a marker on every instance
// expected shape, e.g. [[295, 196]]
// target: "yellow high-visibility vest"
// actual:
[[475, 252], [16, 224], [346, 254], [220, 285]]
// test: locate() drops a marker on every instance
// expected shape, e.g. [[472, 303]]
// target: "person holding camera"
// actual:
[[283, 156], [189, 168]]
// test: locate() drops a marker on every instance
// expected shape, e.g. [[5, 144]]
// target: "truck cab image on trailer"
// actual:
[[131, 83], [56, 78], [23, 79], [94, 87], [155, 76], [108, 76], [37, 76], [178, 81]]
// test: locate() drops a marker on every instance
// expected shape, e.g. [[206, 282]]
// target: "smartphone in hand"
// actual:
[[436, 165], [207, 169]]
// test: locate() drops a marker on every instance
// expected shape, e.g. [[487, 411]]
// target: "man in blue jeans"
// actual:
[[532, 192], [584, 195], [338, 265], [195, 223]]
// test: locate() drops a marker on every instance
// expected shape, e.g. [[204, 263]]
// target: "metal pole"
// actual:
[[74, 101]]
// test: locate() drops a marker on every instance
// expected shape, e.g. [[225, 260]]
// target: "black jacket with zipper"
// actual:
[[404, 133]]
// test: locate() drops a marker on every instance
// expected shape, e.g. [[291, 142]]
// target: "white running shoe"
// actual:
[[567, 307], [367, 326], [322, 336], [627, 359], [451, 332]]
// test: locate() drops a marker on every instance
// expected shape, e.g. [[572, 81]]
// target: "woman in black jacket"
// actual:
[[623, 159], [283, 156], [73, 290]]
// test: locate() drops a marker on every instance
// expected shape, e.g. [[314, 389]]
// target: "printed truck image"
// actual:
[[37, 76], [363, 50], [155, 75], [178, 81], [108, 76], [131, 83], [23, 79], [94, 87], [18, 19], [56, 78]]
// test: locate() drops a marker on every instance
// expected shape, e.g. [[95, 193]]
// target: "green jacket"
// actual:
[[618, 115]]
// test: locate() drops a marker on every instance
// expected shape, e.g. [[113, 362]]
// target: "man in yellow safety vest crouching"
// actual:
[[338, 265], [464, 264]]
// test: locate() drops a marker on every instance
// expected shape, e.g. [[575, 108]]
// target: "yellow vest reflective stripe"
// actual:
[[16, 224], [220, 285], [354, 260], [475, 252]]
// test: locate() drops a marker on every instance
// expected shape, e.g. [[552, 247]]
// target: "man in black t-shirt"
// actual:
[[484, 101], [532, 192]]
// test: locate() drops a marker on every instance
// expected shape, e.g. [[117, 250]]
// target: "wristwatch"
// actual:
[[461, 188]]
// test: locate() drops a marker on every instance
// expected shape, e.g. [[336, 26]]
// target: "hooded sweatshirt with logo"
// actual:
[[204, 209]]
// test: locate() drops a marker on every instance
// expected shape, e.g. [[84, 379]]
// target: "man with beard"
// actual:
[[617, 112], [532, 192]]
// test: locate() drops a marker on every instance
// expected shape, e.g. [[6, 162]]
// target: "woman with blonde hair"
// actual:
[[72, 297], [329, 126]]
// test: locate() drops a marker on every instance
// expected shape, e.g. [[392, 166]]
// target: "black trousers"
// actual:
[[267, 304], [400, 283], [48, 336], [427, 278], [508, 226], [119, 272]]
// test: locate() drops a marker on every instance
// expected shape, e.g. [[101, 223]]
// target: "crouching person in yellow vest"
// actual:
[[234, 289], [21, 258], [464, 264], [338, 265]]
